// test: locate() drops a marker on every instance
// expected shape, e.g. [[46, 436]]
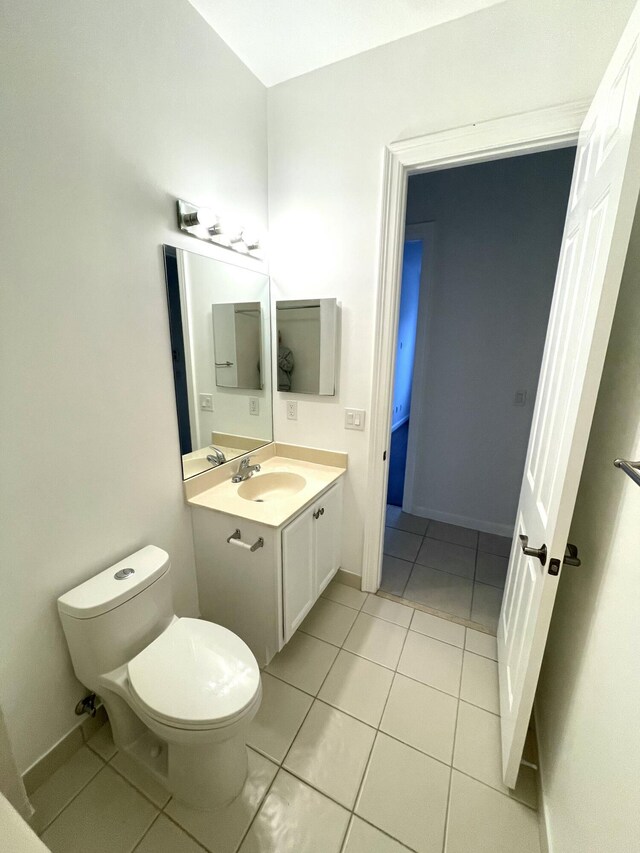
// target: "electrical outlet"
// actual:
[[206, 402], [354, 418], [292, 410], [254, 406]]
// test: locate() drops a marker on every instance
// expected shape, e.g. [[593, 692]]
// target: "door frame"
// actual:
[[523, 133]]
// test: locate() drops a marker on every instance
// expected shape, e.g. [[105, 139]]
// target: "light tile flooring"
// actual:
[[378, 733], [450, 569]]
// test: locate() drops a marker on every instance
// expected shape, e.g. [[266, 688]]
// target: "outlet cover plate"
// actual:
[[292, 410]]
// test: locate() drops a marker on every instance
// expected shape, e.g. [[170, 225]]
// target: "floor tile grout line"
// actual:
[[496, 790], [76, 795], [444, 612], [453, 752], [376, 730], [281, 764], [125, 780], [143, 793], [377, 663], [438, 613], [375, 739], [146, 832], [183, 829]]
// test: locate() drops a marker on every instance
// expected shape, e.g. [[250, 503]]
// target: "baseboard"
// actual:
[[462, 521], [543, 824], [349, 579], [62, 751]]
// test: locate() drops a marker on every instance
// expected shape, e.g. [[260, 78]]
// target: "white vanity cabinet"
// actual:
[[310, 556], [263, 595]]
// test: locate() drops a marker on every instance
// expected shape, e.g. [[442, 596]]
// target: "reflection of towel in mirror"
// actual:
[[285, 368]]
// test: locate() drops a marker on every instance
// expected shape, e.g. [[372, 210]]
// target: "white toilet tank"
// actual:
[[111, 617]]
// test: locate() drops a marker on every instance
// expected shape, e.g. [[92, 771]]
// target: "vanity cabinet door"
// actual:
[[298, 581], [327, 536]]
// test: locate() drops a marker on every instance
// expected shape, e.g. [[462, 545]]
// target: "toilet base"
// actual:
[[207, 777], [202, 769]]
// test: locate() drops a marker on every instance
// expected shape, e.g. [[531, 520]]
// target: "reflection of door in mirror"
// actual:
[[237, 343], [307, 341], [218, 415]]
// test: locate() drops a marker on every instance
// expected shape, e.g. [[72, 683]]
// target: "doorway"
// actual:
[[479, 263]]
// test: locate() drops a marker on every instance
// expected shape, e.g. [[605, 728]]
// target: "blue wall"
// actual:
[[405, 353]]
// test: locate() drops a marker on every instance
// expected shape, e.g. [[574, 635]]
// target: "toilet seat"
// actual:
[[195, 675]]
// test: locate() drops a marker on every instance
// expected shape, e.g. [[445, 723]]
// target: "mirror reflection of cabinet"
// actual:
[[307, 331], [237, 345]]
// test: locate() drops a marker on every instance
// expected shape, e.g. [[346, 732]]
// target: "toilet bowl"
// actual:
[[179, 692]]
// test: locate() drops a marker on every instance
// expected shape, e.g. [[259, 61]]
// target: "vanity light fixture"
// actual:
[[203, 223]]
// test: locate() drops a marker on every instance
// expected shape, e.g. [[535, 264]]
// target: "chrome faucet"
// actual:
[[245, 470], [217, 457]]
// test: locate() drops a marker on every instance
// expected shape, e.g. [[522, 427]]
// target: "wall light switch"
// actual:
[[254, 406], [354, 418], [520, 398], [292, 410], [206, 402]]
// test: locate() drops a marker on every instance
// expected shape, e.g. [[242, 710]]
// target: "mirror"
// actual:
[[307, 332], [224, 410]]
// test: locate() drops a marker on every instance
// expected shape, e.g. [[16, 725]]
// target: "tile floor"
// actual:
[[451, 569], [378, 733]]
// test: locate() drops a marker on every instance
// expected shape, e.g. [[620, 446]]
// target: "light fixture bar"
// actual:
[[203, 223]]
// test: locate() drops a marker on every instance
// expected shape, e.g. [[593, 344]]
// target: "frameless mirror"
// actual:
[[307, 332], [218, 313]]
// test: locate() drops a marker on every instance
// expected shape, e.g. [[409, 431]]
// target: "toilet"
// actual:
[[179, 692]]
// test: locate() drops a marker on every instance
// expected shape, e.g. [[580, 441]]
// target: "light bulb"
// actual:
[[203, 216]]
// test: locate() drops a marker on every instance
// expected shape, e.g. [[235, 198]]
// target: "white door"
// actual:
[[602, 203], [328, 541], [298, 580]]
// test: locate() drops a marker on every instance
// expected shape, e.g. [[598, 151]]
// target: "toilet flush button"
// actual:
[[121, 574]]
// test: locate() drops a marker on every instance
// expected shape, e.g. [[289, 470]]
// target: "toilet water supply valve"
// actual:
[[87, 705]]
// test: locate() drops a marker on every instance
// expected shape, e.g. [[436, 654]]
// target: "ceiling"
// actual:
[[280, 39]]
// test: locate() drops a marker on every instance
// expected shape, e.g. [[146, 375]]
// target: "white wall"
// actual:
[[109, 112], [327, 130], [589, 694], [498, 228]]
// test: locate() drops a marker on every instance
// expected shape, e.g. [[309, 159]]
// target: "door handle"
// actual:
[[571, 555], [540, 553]]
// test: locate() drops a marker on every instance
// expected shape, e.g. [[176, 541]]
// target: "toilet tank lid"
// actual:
[[115, 585]]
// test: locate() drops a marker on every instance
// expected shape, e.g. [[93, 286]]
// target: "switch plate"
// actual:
[[354, 418], [254, 406], [206, 402], [292, 410], [520, 398]]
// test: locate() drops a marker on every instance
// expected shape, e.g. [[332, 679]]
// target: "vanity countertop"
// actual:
[[223, 496]]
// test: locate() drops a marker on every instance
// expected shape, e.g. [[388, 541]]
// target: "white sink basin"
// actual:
[[271, 487]]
